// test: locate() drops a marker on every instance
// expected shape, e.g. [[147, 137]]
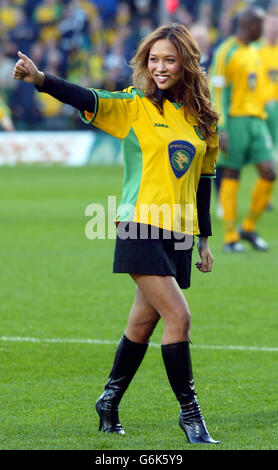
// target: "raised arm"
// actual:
[[69, 93]]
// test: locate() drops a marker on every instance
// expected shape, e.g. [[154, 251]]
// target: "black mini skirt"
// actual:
[[144, 249]]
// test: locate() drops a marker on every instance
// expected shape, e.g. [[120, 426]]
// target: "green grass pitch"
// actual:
[[56, 285]]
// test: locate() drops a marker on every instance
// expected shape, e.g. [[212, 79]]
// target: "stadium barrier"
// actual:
[[72, 148]]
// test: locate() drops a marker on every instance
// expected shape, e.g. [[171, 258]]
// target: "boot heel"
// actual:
[[192, 423], [108, 415]]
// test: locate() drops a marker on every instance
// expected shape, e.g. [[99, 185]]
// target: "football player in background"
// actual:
[[237, 83]]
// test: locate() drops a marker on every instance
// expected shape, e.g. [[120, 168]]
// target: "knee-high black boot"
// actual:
[[128, 358], [178, 366]]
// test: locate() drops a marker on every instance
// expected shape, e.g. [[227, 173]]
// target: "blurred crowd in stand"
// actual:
[[91, 42]]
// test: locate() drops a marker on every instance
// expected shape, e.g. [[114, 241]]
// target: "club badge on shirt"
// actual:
[[181, 154]]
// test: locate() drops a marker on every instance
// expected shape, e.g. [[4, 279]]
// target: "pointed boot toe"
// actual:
[[192, 423]]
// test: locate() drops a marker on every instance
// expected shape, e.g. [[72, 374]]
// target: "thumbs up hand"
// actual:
[[26, 70]]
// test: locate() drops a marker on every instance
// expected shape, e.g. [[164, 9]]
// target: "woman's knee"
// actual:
[[145, 329], [141, 331], [142, 320], [185, 319], [181, 320]]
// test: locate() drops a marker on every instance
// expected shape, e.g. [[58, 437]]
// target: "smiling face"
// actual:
[[164, 64]]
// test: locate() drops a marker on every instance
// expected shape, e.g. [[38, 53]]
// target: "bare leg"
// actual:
[[165, 296], [142, 320], [128, 357]]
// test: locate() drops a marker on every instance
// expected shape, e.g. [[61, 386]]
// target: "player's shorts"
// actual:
[[144, 254], [272, 121], [249, 143]]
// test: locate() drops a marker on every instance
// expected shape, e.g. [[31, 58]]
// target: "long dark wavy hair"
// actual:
[[192, 91]]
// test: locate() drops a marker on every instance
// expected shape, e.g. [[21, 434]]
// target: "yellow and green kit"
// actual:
[[164, 157], [237, 88], [269, 57]]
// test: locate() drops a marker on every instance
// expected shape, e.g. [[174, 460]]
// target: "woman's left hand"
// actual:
[[206, 257]]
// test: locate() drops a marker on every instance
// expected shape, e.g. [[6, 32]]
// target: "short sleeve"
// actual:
[[114, 112], [209, 163]]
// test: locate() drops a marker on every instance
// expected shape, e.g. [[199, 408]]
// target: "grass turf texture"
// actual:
[[55, 283]]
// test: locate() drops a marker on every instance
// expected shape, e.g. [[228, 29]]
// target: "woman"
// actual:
[[169, 139]]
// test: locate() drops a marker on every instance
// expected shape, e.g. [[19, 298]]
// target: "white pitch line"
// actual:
[[23, 339]]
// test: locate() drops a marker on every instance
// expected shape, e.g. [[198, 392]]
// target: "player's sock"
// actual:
[[228, 200], [261, 195]]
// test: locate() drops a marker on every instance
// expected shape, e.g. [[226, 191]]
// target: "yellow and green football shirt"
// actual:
[[269, 57], [236, 79], [164, 157]]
